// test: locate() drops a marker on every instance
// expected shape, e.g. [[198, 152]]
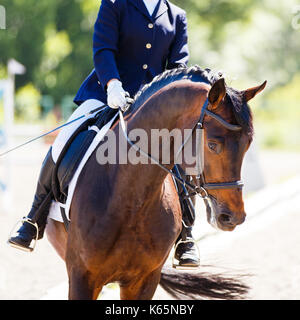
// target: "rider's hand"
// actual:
[[116, 96]]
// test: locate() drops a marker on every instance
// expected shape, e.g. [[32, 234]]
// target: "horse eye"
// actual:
[[212, 146]]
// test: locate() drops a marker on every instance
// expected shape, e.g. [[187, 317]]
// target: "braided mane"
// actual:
[[234, 97]]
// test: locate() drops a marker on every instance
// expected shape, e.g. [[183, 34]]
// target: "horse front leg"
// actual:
[[141, 289], [80, 285], [79, 280], [84, 284]]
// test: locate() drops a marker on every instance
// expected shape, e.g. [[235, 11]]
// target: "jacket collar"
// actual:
[[162, 8]]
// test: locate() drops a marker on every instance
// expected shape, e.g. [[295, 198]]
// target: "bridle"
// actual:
[[200, 179], [201, 187]]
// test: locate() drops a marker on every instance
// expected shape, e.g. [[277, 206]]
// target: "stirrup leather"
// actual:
[[25, 220]]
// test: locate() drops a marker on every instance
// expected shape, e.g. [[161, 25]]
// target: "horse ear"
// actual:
[[217, 93], [252, 92]]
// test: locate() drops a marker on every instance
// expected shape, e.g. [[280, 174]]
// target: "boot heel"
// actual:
[[19, 246]]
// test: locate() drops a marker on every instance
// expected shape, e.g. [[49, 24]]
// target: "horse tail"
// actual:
[[182, 285]]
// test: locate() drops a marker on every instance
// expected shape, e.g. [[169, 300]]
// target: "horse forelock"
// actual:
[[238, 105], [241, 110]]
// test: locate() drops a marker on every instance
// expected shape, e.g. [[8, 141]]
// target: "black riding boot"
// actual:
[[39, 211], [186, 251]]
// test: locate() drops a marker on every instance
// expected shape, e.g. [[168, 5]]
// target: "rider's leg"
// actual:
[[40, 207], [186, 252], [43, 196]]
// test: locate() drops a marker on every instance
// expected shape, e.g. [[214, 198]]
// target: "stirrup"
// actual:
[[176, 265], [30, 248]]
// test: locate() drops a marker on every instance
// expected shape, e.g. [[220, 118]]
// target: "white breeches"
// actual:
[[66, 132]]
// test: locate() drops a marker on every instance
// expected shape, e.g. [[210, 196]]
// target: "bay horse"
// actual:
[[125, 218]]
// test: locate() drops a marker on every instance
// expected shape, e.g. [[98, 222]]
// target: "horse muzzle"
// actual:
[[227, 221], [223, 219]]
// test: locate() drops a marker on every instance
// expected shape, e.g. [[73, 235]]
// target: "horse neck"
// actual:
[[175, 107]]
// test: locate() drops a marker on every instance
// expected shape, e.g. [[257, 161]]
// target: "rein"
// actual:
[[201, 186], [53, 130], [179, 179]]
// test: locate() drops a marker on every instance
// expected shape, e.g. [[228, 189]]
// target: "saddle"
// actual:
[[73, 152]]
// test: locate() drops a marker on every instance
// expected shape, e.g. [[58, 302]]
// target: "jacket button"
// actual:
[[148, 46], [145, 66], [150, 25]]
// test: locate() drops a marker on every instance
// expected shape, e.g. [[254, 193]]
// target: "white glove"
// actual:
[[116, 96]]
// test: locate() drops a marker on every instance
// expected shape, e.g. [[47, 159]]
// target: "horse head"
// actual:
[[224, 149]]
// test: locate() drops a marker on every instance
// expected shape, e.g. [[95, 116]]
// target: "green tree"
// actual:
[[53, 39]]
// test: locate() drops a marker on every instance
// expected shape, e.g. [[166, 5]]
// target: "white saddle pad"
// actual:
[[55, 212]]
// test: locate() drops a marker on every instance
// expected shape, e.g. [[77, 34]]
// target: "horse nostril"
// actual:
[[225, 218], [230, 219]]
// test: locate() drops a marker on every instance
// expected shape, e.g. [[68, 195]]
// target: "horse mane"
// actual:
[[240, 108], [194, 73]]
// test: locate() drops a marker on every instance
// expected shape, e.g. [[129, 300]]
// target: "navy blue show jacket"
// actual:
[[134, 47]]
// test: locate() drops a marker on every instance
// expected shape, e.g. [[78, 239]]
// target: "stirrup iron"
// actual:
[[31, 248], [175, 264]]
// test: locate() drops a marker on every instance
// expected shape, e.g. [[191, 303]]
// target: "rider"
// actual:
[[134, 40]]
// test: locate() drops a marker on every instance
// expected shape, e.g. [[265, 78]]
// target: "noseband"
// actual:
[[201, 186]]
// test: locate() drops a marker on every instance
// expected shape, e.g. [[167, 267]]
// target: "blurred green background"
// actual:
[[250, 40]]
